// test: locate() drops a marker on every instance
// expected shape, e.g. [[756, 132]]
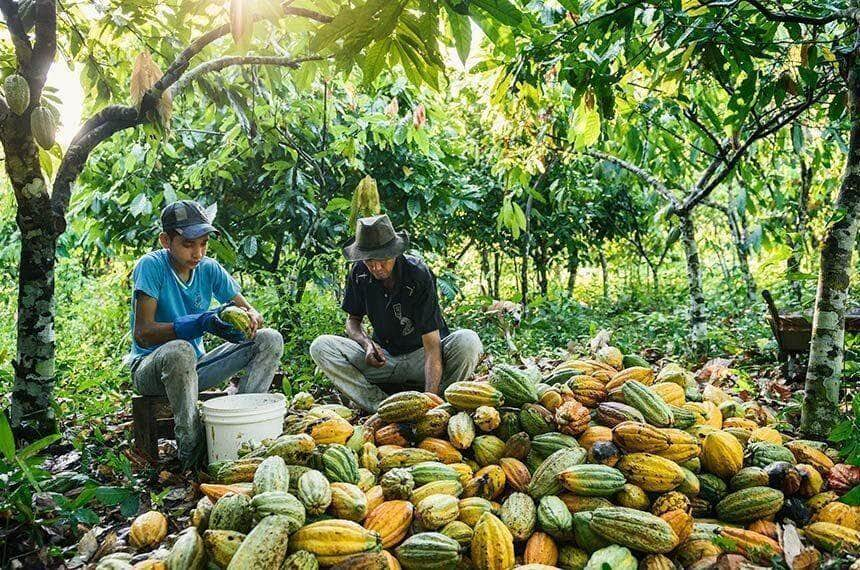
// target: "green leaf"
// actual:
[[852, 497], [111, 496], [338, 203], [7, 440], [461, 30], [841, 431], [797, 137], [584, 127], [501, 10], [412, 73], [414, 207], [130, 505], [374, 59], [38, 446]]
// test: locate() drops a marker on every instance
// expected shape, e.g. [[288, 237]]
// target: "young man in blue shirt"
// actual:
[[172, 295]]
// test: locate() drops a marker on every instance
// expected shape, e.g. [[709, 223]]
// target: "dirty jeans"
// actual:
[[174, 370], [342, 361]]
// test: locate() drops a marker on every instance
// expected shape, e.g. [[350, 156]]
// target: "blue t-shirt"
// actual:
[[154, 276]]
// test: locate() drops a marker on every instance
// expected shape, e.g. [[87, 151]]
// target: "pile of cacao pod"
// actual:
[[600, 463]]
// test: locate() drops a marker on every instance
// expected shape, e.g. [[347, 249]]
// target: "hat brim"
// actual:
[[389, 251], [197, 230]]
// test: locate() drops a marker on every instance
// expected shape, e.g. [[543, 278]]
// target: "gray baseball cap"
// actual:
[[187, 218]]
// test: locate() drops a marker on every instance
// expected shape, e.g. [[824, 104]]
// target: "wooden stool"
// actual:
[[152, 418]]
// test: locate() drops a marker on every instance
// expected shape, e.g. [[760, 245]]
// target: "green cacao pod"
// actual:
[[232, 512], [188, 551], [750, 504], [554, 518], [43, 125], [17, 92], [428, 551], [545, 478], [340, 465], [314, 492], [265, 546], [592, 480], [280, 503], [535, 419], [519, 515], [272, 475], [634, 529], [514, 384], [613, 556], [652, 407]]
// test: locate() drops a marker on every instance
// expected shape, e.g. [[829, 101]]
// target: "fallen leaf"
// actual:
[[808, 559], [715, 370], [600, 340], [790, 542], [88, 545], [107, 546]]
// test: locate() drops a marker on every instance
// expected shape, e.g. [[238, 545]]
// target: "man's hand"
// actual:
[[256, 321], [374, 356]]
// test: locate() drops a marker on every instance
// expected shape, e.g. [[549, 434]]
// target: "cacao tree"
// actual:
[[404, 32]]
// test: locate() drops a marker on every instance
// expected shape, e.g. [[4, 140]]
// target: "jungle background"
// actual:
[[645, 168]]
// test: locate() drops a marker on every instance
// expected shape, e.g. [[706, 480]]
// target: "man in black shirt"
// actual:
[[411, 347]]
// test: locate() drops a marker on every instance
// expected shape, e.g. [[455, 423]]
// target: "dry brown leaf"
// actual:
[[600, 340], [714, 370], [88, 545], [107, 546], [143, 77], [392, 108], [419, 117], [809, 559]]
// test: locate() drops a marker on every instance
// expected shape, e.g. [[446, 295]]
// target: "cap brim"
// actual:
[[197, 230], [391, 250]]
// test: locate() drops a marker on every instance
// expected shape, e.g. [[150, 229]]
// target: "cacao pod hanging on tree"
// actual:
[[17, 92], [365, 201], [43, 125]]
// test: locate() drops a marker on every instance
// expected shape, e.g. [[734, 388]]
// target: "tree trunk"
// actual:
[[497, 271], [527, 244], [820, 404], [572, 268], [698, 326], [486, 278], [32, 415], [737, 226], [793, 265], [604, 273]]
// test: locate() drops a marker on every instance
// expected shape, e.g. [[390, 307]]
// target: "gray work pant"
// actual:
[[173, 370], [342, 361]]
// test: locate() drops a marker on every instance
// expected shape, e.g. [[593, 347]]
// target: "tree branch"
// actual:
[[661, 188], [703, 190], [20, 39], [228, 61], [115, 118], [180, 64], [790, 18], [44, 49], [693, 117]]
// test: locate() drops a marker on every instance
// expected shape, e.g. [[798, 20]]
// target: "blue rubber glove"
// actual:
[[190, 327]]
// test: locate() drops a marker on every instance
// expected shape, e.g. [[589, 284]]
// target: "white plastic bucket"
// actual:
[[230, 421]]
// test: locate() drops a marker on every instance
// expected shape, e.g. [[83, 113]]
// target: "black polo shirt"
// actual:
[[401, 316]]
